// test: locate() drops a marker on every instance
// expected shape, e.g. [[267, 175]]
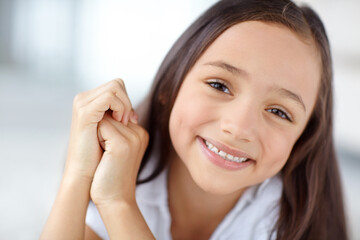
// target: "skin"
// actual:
[[242, 113], [106, 143], [105, 150]]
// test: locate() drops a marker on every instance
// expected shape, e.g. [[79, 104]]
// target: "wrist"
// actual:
[[118, 204], [110, 209], [105, 196], [74, 172], [73, 179], [122, 218]]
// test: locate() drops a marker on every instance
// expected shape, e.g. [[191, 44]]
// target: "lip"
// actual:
[[221, 162], [226, 149]]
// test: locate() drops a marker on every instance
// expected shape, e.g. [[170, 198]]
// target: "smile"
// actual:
[[224, 155]]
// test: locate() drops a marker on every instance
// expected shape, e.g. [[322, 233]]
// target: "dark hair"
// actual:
[[311, 206]]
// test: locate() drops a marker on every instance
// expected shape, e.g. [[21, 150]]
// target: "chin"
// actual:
[[208, 185]]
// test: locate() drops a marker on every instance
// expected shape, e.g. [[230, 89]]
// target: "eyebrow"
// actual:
[[228, 67], [297, 98]]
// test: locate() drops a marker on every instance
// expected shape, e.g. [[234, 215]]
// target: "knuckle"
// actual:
[[114, 83], [78, 100], [117, 84], [144, 134], [116, 87], [81, 113], [134, 138], [120, 85], [119, 81], [108, 96], [146, 137]]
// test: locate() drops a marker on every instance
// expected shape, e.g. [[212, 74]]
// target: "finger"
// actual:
[[94, 111], [115, 86], [123, 129], [134, 117], [142, 133], [121, 142], [114, 143], [132, 132], [128, 106]]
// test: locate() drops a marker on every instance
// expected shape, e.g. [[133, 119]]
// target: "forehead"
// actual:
[[270, 54]]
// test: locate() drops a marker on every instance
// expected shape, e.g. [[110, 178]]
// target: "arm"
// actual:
[[124, 220], [90, 234], [113, 188], [67, 217]]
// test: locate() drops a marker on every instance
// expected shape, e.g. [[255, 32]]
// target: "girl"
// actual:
[[235, 139]]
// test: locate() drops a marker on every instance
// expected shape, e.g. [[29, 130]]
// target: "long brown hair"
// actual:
[[311, 206]]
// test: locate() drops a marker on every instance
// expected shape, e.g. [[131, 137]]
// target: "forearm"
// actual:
[[124, 221], [67, 217]]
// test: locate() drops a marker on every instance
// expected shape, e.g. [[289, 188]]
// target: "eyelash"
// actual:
[[221, 86], [280, 113]]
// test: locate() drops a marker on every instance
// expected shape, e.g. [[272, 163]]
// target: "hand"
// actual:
[[85, 152], [100, 122], [124, 147]]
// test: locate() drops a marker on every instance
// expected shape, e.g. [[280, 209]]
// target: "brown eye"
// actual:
[[279, 113], [218, 85]]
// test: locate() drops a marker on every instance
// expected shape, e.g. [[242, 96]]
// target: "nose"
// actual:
[[240, 120]]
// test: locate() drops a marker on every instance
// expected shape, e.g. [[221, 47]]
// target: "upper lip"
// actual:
[[227, 149]]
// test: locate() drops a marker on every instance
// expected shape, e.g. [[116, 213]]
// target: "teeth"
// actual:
[[214, 149], [243, 159], [224, 154]]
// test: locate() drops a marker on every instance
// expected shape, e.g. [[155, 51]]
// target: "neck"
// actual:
[[191, 206]]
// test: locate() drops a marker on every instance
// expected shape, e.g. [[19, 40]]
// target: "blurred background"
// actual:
[[52, 49]]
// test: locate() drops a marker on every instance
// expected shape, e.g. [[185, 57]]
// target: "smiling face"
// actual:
[[243, 105]]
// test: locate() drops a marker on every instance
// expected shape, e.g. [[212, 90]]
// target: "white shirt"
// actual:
[[253, 216]]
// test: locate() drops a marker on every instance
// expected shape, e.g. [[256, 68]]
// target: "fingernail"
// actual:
[[134, 118]]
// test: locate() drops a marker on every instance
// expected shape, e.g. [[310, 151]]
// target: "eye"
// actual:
[[219, 85], [280, 113]]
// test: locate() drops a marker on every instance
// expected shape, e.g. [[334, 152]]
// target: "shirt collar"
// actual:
[[155, 192], [268, 186]]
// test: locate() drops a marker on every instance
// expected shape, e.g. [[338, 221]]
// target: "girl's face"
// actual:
[[243, 105]]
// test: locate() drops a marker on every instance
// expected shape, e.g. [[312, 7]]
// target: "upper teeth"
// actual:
[[223, 154]]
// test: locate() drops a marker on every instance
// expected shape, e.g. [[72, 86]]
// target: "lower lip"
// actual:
[[221, 162]]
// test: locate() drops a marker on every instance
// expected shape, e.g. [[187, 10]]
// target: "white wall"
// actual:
[[60, 47]]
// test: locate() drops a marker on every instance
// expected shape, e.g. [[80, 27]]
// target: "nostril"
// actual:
[[240, 129]]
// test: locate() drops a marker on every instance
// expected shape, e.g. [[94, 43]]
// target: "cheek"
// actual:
[[277, 150], [188, 114]]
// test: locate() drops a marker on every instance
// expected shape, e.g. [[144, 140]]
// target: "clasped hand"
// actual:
[[106, 143]]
